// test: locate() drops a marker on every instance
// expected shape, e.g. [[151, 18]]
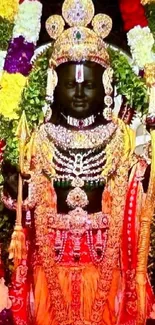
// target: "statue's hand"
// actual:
[[10, 175]]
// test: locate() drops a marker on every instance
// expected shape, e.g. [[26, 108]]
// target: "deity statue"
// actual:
[[89, 199]]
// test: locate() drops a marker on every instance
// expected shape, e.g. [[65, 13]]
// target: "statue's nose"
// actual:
[[79, 90]]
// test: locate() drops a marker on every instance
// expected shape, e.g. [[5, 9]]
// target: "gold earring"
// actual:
[[107, 79], [52, 81]]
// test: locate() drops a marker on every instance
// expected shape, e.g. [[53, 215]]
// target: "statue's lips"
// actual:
[[79, 104]]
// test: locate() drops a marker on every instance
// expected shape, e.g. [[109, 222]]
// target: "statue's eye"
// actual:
[[70, 84], [90, 85]]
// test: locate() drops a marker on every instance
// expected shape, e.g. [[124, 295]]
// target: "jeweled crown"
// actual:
[[78, 42]]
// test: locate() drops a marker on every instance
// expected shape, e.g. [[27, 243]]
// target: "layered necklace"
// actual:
[[86, 166], [77, 157]]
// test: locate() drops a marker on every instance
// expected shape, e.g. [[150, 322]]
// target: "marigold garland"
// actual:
[[8, 9], [12, 85], [19, 65]]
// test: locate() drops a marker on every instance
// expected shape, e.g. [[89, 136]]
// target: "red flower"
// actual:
[[2, 148], [133, 14]]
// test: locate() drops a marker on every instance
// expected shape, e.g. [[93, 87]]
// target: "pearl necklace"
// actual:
[[78, 164]]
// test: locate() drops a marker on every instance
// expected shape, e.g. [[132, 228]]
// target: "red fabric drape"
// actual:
[[133, 14]]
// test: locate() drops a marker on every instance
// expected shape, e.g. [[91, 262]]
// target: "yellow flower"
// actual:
[[10, 94], [8, 9]]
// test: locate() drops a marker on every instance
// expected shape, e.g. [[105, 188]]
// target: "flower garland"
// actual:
[[17, 64], [6, 27], [141, 42], [139, 36], [11, 84], [17, 67], [27, 22]]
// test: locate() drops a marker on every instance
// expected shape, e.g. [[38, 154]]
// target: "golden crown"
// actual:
[[78, 42]]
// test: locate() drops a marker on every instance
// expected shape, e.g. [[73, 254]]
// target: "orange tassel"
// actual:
[[17, 249]]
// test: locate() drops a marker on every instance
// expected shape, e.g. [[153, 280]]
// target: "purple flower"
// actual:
[[18, 56]]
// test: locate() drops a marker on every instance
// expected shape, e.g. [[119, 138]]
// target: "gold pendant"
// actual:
[[77, 198]]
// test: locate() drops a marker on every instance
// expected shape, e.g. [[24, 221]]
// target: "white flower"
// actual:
[[141, 42], [2, 59], [27, 21]]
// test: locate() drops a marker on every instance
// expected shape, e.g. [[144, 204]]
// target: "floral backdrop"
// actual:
[[23, 88]]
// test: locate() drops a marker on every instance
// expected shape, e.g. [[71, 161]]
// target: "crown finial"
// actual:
[[78, 12], [55, 26]]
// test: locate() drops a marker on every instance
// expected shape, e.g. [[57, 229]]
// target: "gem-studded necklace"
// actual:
[[78, 139], [79, 123]]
